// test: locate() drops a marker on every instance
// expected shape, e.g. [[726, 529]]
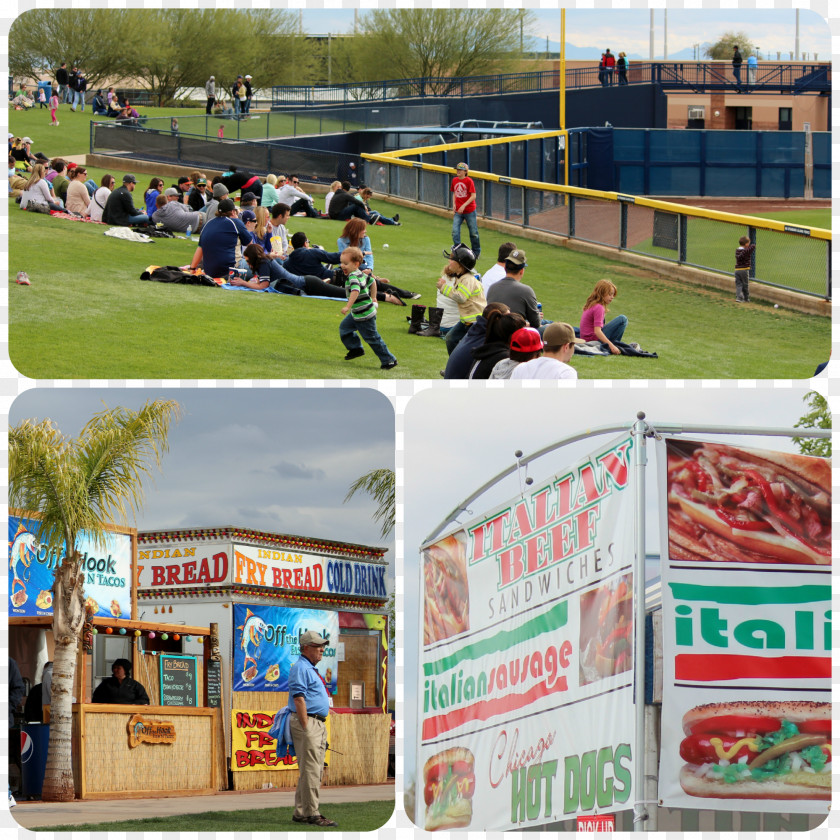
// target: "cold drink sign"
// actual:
[[178, 680]]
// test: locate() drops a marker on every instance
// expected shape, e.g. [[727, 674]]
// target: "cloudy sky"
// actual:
[[629, 29], [275, 460], [471, 435]]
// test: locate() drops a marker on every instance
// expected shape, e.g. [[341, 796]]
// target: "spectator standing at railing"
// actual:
[[248, 94], [71, 85], [79, 94], [464, 208], [622, 64], [210, 90], [752, 68], [737, 61], [602, 70], [609, 66], [235, 94]]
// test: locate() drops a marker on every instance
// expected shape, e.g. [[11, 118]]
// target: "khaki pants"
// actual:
[[310, 746]]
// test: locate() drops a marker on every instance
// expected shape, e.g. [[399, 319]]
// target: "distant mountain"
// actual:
[[576, 53]]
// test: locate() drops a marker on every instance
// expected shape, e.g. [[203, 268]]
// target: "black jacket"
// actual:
[[119, 207], [338, 202], [305, 261], [61, 76], [486, 358], [129, 692], [736, 58]]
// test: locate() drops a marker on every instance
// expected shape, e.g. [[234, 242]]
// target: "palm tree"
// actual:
[[79, 485], [380, 485]]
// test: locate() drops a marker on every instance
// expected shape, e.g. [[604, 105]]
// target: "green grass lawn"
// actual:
[[87, 315], [355, 816]]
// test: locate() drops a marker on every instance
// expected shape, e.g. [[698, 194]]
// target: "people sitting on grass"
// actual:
[[98, 105], [248, 201], [497, 271], [100, 197], [22, 153], [335, 185], [461, 359], [355, 235], [304, 259], [279, 236], [182, 187], [559, 341], [271, 273], [365, 194], [175, 216], [516, 294], [220, 191], [459, 283], [128, 115], [525, 344], [216, 251], [199, 195], [501, 326], [17, 183], [59, 180], [120, 209], [344, 206], [299, 202], [269, 194], [113, 108], [592, 321], [262, 231], [78, 197], [39, 192], [154, 189]]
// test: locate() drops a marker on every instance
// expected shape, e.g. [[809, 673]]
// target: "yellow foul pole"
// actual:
[[563, 91]]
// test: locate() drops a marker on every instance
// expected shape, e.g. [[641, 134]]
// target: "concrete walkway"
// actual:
[[30, 814]]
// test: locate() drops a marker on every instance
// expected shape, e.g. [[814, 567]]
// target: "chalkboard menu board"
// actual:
[[178, 683], [214, 682]]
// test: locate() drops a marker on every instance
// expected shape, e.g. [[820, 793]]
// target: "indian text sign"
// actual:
[[252, 748], [526, 703], [746, 609]]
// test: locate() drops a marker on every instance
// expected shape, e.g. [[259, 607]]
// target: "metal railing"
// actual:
[[791, 257], [796, 77]]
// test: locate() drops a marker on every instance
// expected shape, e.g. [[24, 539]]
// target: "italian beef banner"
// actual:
[[526, 696], [746, 602]]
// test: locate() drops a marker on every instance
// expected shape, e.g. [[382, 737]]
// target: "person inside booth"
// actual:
[[121, 688]]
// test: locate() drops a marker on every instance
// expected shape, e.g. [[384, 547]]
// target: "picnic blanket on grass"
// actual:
[[596, 348], [173, 274]]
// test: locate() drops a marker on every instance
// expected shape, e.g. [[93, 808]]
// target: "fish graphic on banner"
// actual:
[[266, 645]]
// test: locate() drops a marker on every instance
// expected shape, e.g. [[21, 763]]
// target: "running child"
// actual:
[[360, 311], [53, 107]]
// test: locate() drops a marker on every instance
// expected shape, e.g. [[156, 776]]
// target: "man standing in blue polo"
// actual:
[[310, 705]]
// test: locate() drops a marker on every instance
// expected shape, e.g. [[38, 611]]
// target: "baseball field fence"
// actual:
[[788, 256]]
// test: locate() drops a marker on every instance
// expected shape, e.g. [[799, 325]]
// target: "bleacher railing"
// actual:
[[794, 257]]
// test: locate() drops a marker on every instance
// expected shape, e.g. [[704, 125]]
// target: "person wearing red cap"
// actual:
[[525, 344], [559, 340]]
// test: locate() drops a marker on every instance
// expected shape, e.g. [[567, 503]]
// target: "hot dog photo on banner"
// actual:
[[746, 712]]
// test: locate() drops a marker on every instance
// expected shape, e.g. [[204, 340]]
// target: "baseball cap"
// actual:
[[184, 179], [129, 179], [517, 257], [462, 165], [226, 205], [201, 181], [171, 191], [220, 191], [248, 216], [526, 340], [246, 197], [28, 140], [558, 334], [212, 78], [247, 75], [310, 637]]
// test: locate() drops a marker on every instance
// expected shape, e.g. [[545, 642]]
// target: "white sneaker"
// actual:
[[57, 122]]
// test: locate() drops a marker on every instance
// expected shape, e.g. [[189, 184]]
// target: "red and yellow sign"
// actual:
[[252, 748]]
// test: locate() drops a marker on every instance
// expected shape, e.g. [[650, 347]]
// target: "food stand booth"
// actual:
[[170, 747], [263, 589]]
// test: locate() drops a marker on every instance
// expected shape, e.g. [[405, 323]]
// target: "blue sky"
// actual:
[[629, 29]]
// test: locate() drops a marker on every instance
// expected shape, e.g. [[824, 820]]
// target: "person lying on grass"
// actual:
[[355, 235], [304, 259], [267, 273], [592, 321]]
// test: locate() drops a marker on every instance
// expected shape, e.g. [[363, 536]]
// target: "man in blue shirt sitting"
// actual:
[[310, 705], [216, 251]]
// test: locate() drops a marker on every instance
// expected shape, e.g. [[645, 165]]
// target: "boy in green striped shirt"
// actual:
[[360, 311]]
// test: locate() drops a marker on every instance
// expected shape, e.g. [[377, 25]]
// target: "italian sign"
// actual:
[[526, 700], [265, 645], [107, 571], [746, 714], [252, 748]]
